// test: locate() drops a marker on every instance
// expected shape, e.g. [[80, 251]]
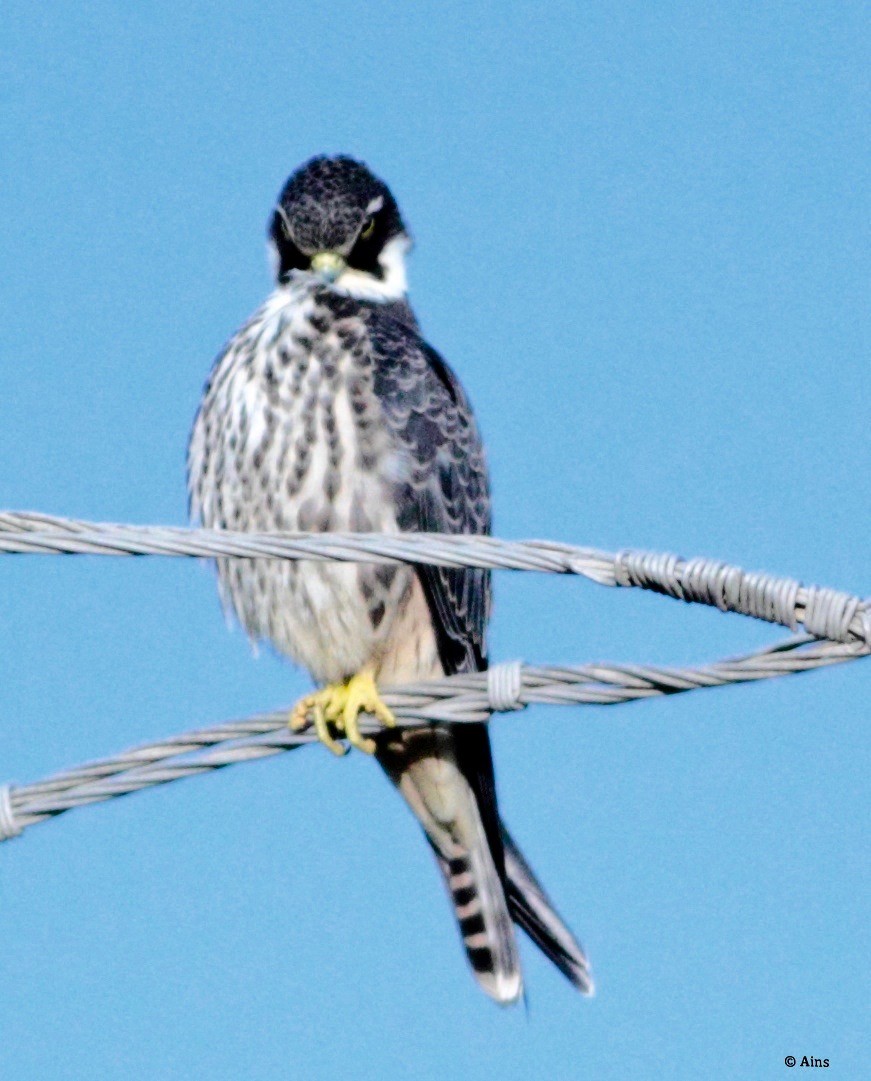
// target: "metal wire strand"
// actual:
[[464, 698], [838, 626], [824, 613]]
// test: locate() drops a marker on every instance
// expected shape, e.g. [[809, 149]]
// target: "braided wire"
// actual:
[[838, 627], [824, 613], [467, 698]]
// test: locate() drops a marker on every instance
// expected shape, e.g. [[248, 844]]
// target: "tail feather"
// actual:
[[533, 911], [445, 777], [484, 922], [422, 764]]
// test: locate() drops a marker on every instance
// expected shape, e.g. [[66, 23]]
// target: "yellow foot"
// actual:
[[339, 705]]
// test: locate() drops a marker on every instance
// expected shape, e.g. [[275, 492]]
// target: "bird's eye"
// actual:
[[368, 229]]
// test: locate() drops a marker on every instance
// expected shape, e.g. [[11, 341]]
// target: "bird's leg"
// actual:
[[363, 697], [323, 731], [323, 706], [340, 705]]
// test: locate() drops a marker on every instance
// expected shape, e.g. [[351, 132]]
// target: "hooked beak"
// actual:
[[328, 265]]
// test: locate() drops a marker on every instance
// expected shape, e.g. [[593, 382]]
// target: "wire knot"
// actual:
[[504, 685], [9, 827]]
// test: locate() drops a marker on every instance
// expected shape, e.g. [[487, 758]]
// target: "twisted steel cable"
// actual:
[[824, 613], [839, 626]]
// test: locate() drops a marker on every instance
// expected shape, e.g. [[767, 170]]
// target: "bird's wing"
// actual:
[[446, 772], [444, 486]]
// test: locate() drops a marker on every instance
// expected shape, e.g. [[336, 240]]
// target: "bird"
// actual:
[[329, 411]]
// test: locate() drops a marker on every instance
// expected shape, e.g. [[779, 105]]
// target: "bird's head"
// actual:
[[334, 219]]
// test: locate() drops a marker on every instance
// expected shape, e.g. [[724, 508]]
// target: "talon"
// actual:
[[299, 714], [340, 705], [363, 697], [322, 707], [324, 733], [355, 736]]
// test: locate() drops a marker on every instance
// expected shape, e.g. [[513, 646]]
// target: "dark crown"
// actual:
[[324, 206]]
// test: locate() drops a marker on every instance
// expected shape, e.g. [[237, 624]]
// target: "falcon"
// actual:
[[329, 411]]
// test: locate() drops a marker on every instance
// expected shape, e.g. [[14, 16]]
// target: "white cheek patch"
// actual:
[[392, 286], [274, 257], [392, 259]]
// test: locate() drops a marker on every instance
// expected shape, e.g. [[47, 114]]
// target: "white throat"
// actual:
[[392, 286], [357, 283]]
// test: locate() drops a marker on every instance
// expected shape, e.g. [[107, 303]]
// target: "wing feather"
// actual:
[[444, 486]]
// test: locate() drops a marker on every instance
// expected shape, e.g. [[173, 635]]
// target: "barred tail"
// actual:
[[422, 764], [484, 921]]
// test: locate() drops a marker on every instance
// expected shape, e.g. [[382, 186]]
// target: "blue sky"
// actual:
[[642, 243]]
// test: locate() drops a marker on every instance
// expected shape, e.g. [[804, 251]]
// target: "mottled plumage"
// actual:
[[328, 411]]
